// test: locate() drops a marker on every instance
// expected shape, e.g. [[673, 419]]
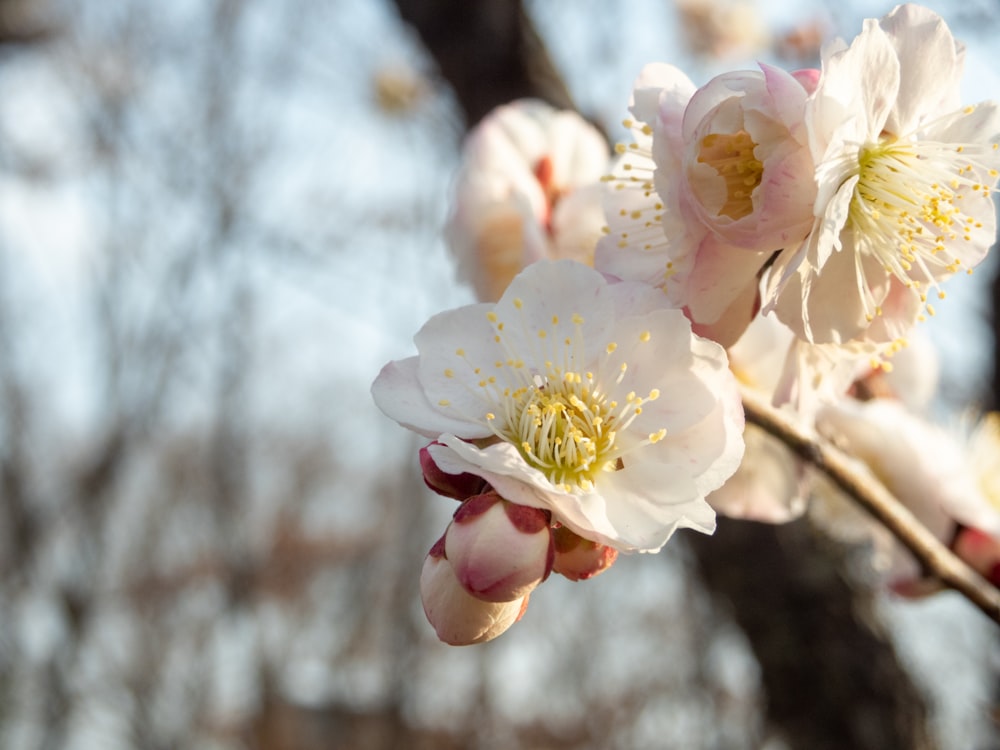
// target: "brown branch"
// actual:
[[868, 492], [488, 51]]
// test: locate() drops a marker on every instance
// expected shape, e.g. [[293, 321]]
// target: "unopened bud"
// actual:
[[579, 559], [499, 551], [981, 551], [456, 486], [458, 618]]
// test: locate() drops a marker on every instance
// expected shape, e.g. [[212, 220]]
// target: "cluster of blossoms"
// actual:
[[774, 231]]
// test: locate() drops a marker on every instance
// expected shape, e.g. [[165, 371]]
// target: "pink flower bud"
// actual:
[[458, 618], [456, 486], [981, 551], [499, 551], [579, 559]]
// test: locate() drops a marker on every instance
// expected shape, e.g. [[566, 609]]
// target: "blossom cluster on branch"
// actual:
[[775, 231]]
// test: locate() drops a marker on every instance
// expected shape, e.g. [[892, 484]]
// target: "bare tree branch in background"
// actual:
[[829, 670], [488, 51]]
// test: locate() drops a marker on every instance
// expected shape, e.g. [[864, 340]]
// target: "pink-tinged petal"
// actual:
[[499, 551], [929, 66], [580, 559], [808, 78], [735, 319], [720, 275], [398, 393], [458, 618], [659, 97]]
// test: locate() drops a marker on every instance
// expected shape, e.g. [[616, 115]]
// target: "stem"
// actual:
[[867, 491]]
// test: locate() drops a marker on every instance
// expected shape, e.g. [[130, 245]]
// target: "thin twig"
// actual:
[[868, 492]]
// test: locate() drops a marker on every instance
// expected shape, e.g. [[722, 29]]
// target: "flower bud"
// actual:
[[981, 551], [458, 618], [499, 550], [577, 558], [455, 486]]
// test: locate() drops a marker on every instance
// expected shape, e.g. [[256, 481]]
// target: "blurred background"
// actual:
[[218, 219]]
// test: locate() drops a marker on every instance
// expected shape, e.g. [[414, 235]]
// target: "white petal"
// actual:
[[452, 345], [398, 393], [855, 95], [929, 66]]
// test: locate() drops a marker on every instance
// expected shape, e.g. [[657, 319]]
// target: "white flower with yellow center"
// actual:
[[580, 396], [905, 179]]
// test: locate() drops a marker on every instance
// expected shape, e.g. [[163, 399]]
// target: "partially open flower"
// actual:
[[579, 559], [718, 178], [499, 551], [458, 618]]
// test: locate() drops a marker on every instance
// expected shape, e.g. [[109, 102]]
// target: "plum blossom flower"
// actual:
[[459, 618], [717, 180], [529, 188], [577, 395], [905, 180]]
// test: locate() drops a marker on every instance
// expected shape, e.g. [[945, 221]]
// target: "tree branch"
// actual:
[[937, 559]]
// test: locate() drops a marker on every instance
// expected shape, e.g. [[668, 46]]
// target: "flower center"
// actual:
[[907, 206], [731, 155], [570, 424], [564, 429]]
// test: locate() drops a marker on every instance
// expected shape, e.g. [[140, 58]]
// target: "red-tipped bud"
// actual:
[[499, 551], [458, 618], [579, 559], [981, 551], [456, 486]]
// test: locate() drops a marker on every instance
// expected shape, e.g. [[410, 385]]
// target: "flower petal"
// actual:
[[398, 393]]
